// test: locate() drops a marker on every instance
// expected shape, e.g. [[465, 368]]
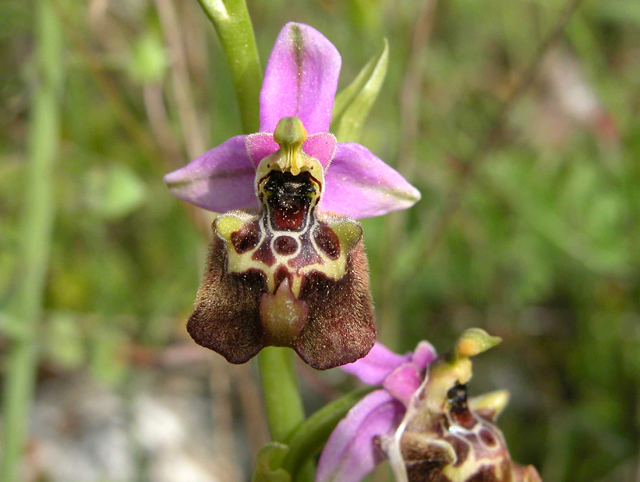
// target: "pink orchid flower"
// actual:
[[287, 265], [301, 79], [352, 450], [422, 420]]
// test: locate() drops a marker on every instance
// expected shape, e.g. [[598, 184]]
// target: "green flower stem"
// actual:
[[281, 396], [309, 438], [25, 309], [233, 24], [283, 404]]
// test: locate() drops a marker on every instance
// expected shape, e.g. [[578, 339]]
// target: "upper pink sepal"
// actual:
[[300, 80]]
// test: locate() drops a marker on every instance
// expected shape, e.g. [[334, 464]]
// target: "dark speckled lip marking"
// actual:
[[461, 448], [246, 238], [487, 437], [264, 254], [306, 256], [285, 245], [327, 241], [289, 202]]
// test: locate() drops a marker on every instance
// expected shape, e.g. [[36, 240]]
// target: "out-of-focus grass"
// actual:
[[543, 249]]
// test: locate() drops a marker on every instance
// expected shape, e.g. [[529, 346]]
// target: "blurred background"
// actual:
[[527, 154]]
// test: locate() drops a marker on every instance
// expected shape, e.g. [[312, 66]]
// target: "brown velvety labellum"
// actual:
[[328, 321], [226, 314], [340, 328]]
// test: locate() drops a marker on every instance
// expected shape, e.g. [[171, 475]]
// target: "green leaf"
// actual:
[[312, 434], [269, 463], [353, 104]]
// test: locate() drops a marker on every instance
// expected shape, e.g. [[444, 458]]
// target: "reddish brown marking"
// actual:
[[327, 241], [461, 448], [281, 274], [285, 245], [246, 238], [307, 254], [264, 254], [462, 416], [288, 218], [487, 437]]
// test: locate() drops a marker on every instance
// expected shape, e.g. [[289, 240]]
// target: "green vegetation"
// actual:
[[529, 224]]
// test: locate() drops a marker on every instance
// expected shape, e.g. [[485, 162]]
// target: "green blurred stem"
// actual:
[[281, 395], [283, 404], [25, 310], [309, 438], [233, 24]]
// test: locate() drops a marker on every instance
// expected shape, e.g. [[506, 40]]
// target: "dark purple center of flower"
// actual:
[[459, 409], [289, 199]]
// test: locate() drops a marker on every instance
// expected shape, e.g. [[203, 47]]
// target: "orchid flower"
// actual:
[[287, 266], [421, 421]]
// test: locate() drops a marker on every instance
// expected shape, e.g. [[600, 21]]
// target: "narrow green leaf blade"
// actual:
[[353, 104]]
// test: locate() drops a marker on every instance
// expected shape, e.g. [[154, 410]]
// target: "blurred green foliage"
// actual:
[[542, 246]]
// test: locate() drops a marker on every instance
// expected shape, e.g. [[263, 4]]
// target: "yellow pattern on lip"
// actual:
[[347, 231]]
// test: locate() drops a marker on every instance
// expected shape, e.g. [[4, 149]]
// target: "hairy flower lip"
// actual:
[[301, 79]]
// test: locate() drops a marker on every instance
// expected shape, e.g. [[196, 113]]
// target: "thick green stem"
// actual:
[[281, 396], [233, 24], [283, 404], [25, 310]]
